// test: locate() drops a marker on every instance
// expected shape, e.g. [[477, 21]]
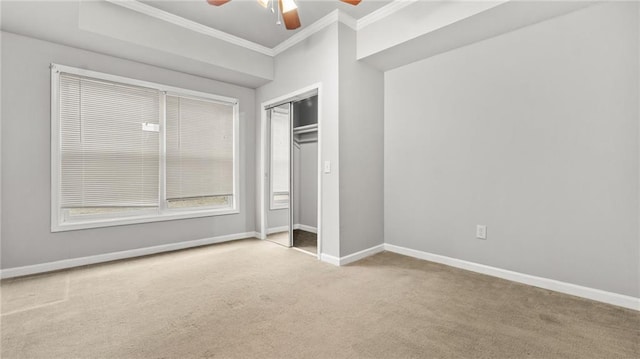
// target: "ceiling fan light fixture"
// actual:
[[288, 5], [290, 17], [217, 2], [288, 10]]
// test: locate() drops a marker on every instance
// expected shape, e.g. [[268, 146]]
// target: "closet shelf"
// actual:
[[305, 129]]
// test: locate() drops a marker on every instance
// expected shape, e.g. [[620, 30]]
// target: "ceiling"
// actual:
[[248, 20]]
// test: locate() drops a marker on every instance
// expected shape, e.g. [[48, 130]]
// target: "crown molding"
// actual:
[[330, 18], [307, 31], [383, 12], [348, 20], [191, 25], [334, 16]]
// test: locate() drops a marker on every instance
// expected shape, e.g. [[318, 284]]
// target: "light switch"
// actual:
[[327, 166]]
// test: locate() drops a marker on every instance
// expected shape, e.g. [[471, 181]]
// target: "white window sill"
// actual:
[[110, 222]]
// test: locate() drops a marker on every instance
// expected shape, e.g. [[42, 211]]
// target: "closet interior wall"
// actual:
[[305, 165]]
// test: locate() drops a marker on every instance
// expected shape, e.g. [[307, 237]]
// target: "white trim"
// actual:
[[348, 20], [55, 179], [550, 284], [307, 31], [171, 90], [279, 229], [319, 171], [191, 25], [58, 223], [383, 12], [330, 259], [361, 254], [352, 257], [304, 227], [334, 16], [107, 257], [262, 176], [121, 221]]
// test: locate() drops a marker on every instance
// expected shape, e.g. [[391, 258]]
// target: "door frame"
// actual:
[[301, 93]]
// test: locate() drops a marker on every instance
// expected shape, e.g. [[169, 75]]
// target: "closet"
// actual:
[[291, 177], [305, 174]]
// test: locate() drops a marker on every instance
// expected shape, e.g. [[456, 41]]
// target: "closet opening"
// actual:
[[291, 186], [305, 174]]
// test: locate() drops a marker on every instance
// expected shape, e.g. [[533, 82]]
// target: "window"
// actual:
[[127, 151], [199, 153], [280, 134]]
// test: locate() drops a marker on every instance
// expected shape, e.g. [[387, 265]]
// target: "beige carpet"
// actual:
[[256, 299]]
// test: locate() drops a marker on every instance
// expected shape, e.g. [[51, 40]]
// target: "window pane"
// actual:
[[108, 160], [199, 152]]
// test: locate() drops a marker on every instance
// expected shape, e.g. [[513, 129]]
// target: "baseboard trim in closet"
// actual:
[[304, 227]]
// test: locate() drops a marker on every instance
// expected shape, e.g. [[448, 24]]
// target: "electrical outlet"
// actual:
[[481, 231]]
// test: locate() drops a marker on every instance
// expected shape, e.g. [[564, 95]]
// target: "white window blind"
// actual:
[[127, 151], [106, 158], [199, 148], [280, 153]]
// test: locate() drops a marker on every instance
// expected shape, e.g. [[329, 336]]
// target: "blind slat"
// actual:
[[106, 157], [199, 148]]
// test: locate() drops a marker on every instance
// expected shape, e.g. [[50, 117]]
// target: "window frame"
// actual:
[[59, 217]]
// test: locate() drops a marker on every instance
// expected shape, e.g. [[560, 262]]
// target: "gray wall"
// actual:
[[315, 60], [361, 149], [533, 133], [26, 236], [107, 28]]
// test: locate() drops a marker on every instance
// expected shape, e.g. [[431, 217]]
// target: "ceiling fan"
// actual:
[[288, 10]]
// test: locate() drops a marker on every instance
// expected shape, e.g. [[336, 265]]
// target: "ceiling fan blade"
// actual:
[[290, 18], [352, 2], [217, 2]]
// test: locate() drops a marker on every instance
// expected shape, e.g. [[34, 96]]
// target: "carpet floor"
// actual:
[[256, 299]]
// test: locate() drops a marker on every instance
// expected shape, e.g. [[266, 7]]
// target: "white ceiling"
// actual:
[[248, 20]]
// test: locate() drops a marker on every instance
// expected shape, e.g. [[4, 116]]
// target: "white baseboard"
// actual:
[[107, 257], [550, 284], [362, 254], [277, 229], [330, 259], [305, 228], [351, 257]]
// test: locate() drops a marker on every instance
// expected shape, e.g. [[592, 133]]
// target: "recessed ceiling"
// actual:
[[248, 20]]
